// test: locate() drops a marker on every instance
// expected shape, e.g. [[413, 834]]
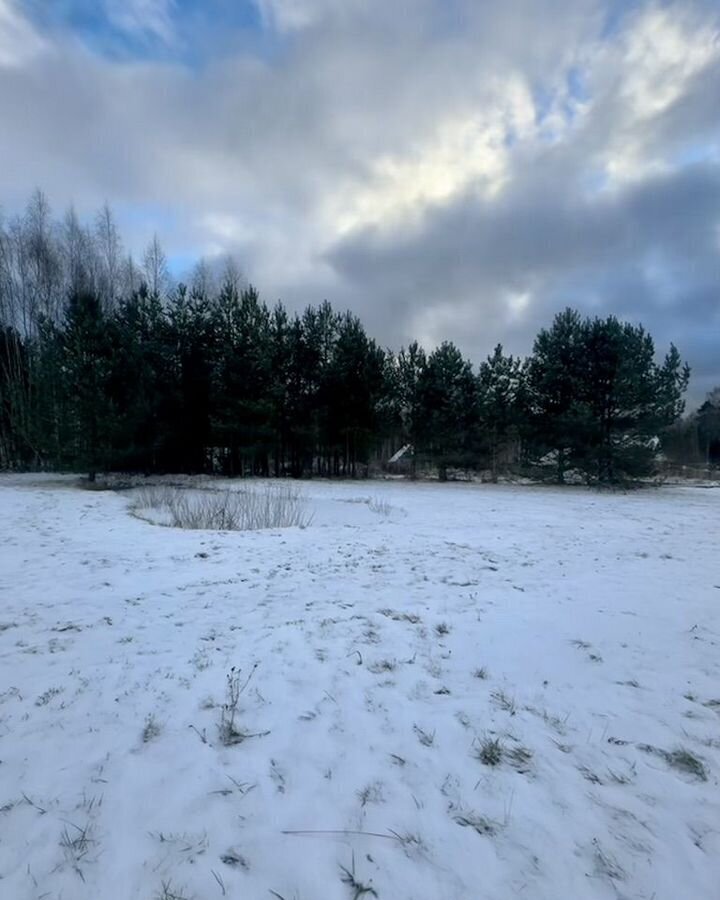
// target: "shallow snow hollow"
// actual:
[[454, 692]]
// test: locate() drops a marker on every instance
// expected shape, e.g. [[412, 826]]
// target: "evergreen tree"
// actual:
[[630, 399], [708, 428], [448, 410], [279, 356], [555, 371], [501, 383], [242, 400], [142, 382], [354, 386], [190, 335], [412, 364], [301, 399], [599, 399], [86, 367], [319, 334], [389, 409]]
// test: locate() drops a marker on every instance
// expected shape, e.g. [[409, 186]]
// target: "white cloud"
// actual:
[[286, 14], [469, 149], [650, 68], [146, 18], [294, 15], [663, 52], [19, 41], [518, 303]]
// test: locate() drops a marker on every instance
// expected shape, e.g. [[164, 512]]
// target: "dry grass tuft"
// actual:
[[490, 751], [268, 506]]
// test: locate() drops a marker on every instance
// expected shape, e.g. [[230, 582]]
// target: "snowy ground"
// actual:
[[569, 637]]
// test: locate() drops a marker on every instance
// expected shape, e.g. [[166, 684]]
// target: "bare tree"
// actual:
[[41, 263], [130, 276], [9, 301], [203, 280], [155, 268], [231, 274], [77, 254], [16, 297], [17, 326], [109, 250]]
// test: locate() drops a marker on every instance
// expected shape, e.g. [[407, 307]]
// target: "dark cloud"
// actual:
[[649, 253]]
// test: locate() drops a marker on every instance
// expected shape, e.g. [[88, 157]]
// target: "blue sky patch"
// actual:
[[187, 31]]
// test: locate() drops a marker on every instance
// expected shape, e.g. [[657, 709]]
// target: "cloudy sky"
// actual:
[[457, 169]]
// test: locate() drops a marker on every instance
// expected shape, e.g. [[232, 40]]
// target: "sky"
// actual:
[[446, 169]]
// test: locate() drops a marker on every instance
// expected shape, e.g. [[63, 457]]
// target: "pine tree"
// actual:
[[412, 364], [708, 428], [448, 411], [86, 367], [314, 375], [242, 380], [556, 416], [630, 399], [354, 386], [142, 382], [190, 335], [278, 394], [501, 384], [599, 400]]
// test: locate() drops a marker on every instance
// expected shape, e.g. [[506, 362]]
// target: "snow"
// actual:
[[408, 624], [398, 455]]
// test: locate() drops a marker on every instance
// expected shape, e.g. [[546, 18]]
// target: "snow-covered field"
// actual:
[[455, 692]]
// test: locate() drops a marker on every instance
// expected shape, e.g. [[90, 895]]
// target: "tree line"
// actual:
[[106, 365], [693, 442]]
